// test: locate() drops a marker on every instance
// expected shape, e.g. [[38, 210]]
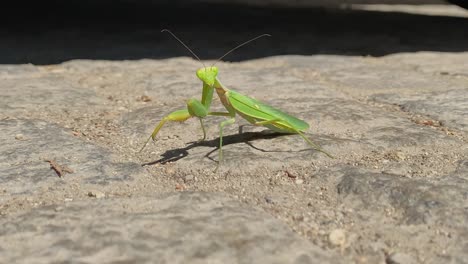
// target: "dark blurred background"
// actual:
[[50, 32]]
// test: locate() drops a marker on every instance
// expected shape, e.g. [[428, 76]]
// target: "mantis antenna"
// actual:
[[181, 42], [238, 46]]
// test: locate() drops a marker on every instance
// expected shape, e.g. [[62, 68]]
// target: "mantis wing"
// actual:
[[253, 110]]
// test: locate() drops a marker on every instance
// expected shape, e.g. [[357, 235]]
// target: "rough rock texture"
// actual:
[[74, 188], [178, 228]]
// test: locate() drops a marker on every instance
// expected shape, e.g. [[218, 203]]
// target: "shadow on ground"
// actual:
[[55, 31], [243, 137]]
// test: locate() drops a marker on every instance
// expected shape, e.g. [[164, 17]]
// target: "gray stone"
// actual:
[[400, 258], [22, 93], [176, 228], [361, 133], [337, 237], [450, 107], [97, 194], [25, 171], [413, 206], [18, 71]]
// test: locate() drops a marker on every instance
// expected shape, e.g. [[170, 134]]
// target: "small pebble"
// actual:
[[19, 137], [188, 178], [400, 258], [96, 194], [299, 181], [337, 237], [145, 98], [400, 170], [400, 155]]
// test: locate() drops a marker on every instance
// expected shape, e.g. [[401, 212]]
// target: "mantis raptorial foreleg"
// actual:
[[179, 116], [194, 109]]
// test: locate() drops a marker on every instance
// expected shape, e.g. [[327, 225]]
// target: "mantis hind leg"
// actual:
[[315, 146], [291, 129]]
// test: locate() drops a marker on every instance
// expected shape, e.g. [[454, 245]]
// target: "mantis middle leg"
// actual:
[[293, 130]]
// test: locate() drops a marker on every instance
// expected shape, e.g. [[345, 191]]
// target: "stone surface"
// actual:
[[419, 210], [447, 107], [24, 164], [398, 258], [176, 228], [42, 92], [73, 186]]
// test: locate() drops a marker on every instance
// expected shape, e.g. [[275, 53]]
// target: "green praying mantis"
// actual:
[[254, 111]]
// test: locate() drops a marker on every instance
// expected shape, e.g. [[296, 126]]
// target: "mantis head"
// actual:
[[208, 74]]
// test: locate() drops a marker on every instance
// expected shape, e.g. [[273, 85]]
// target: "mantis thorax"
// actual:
[[208, 75]]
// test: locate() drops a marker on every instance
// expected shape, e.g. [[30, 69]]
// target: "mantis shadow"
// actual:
[[266, 132], [243, 137]]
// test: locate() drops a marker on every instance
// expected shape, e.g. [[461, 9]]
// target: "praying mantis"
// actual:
[[252, 110]]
